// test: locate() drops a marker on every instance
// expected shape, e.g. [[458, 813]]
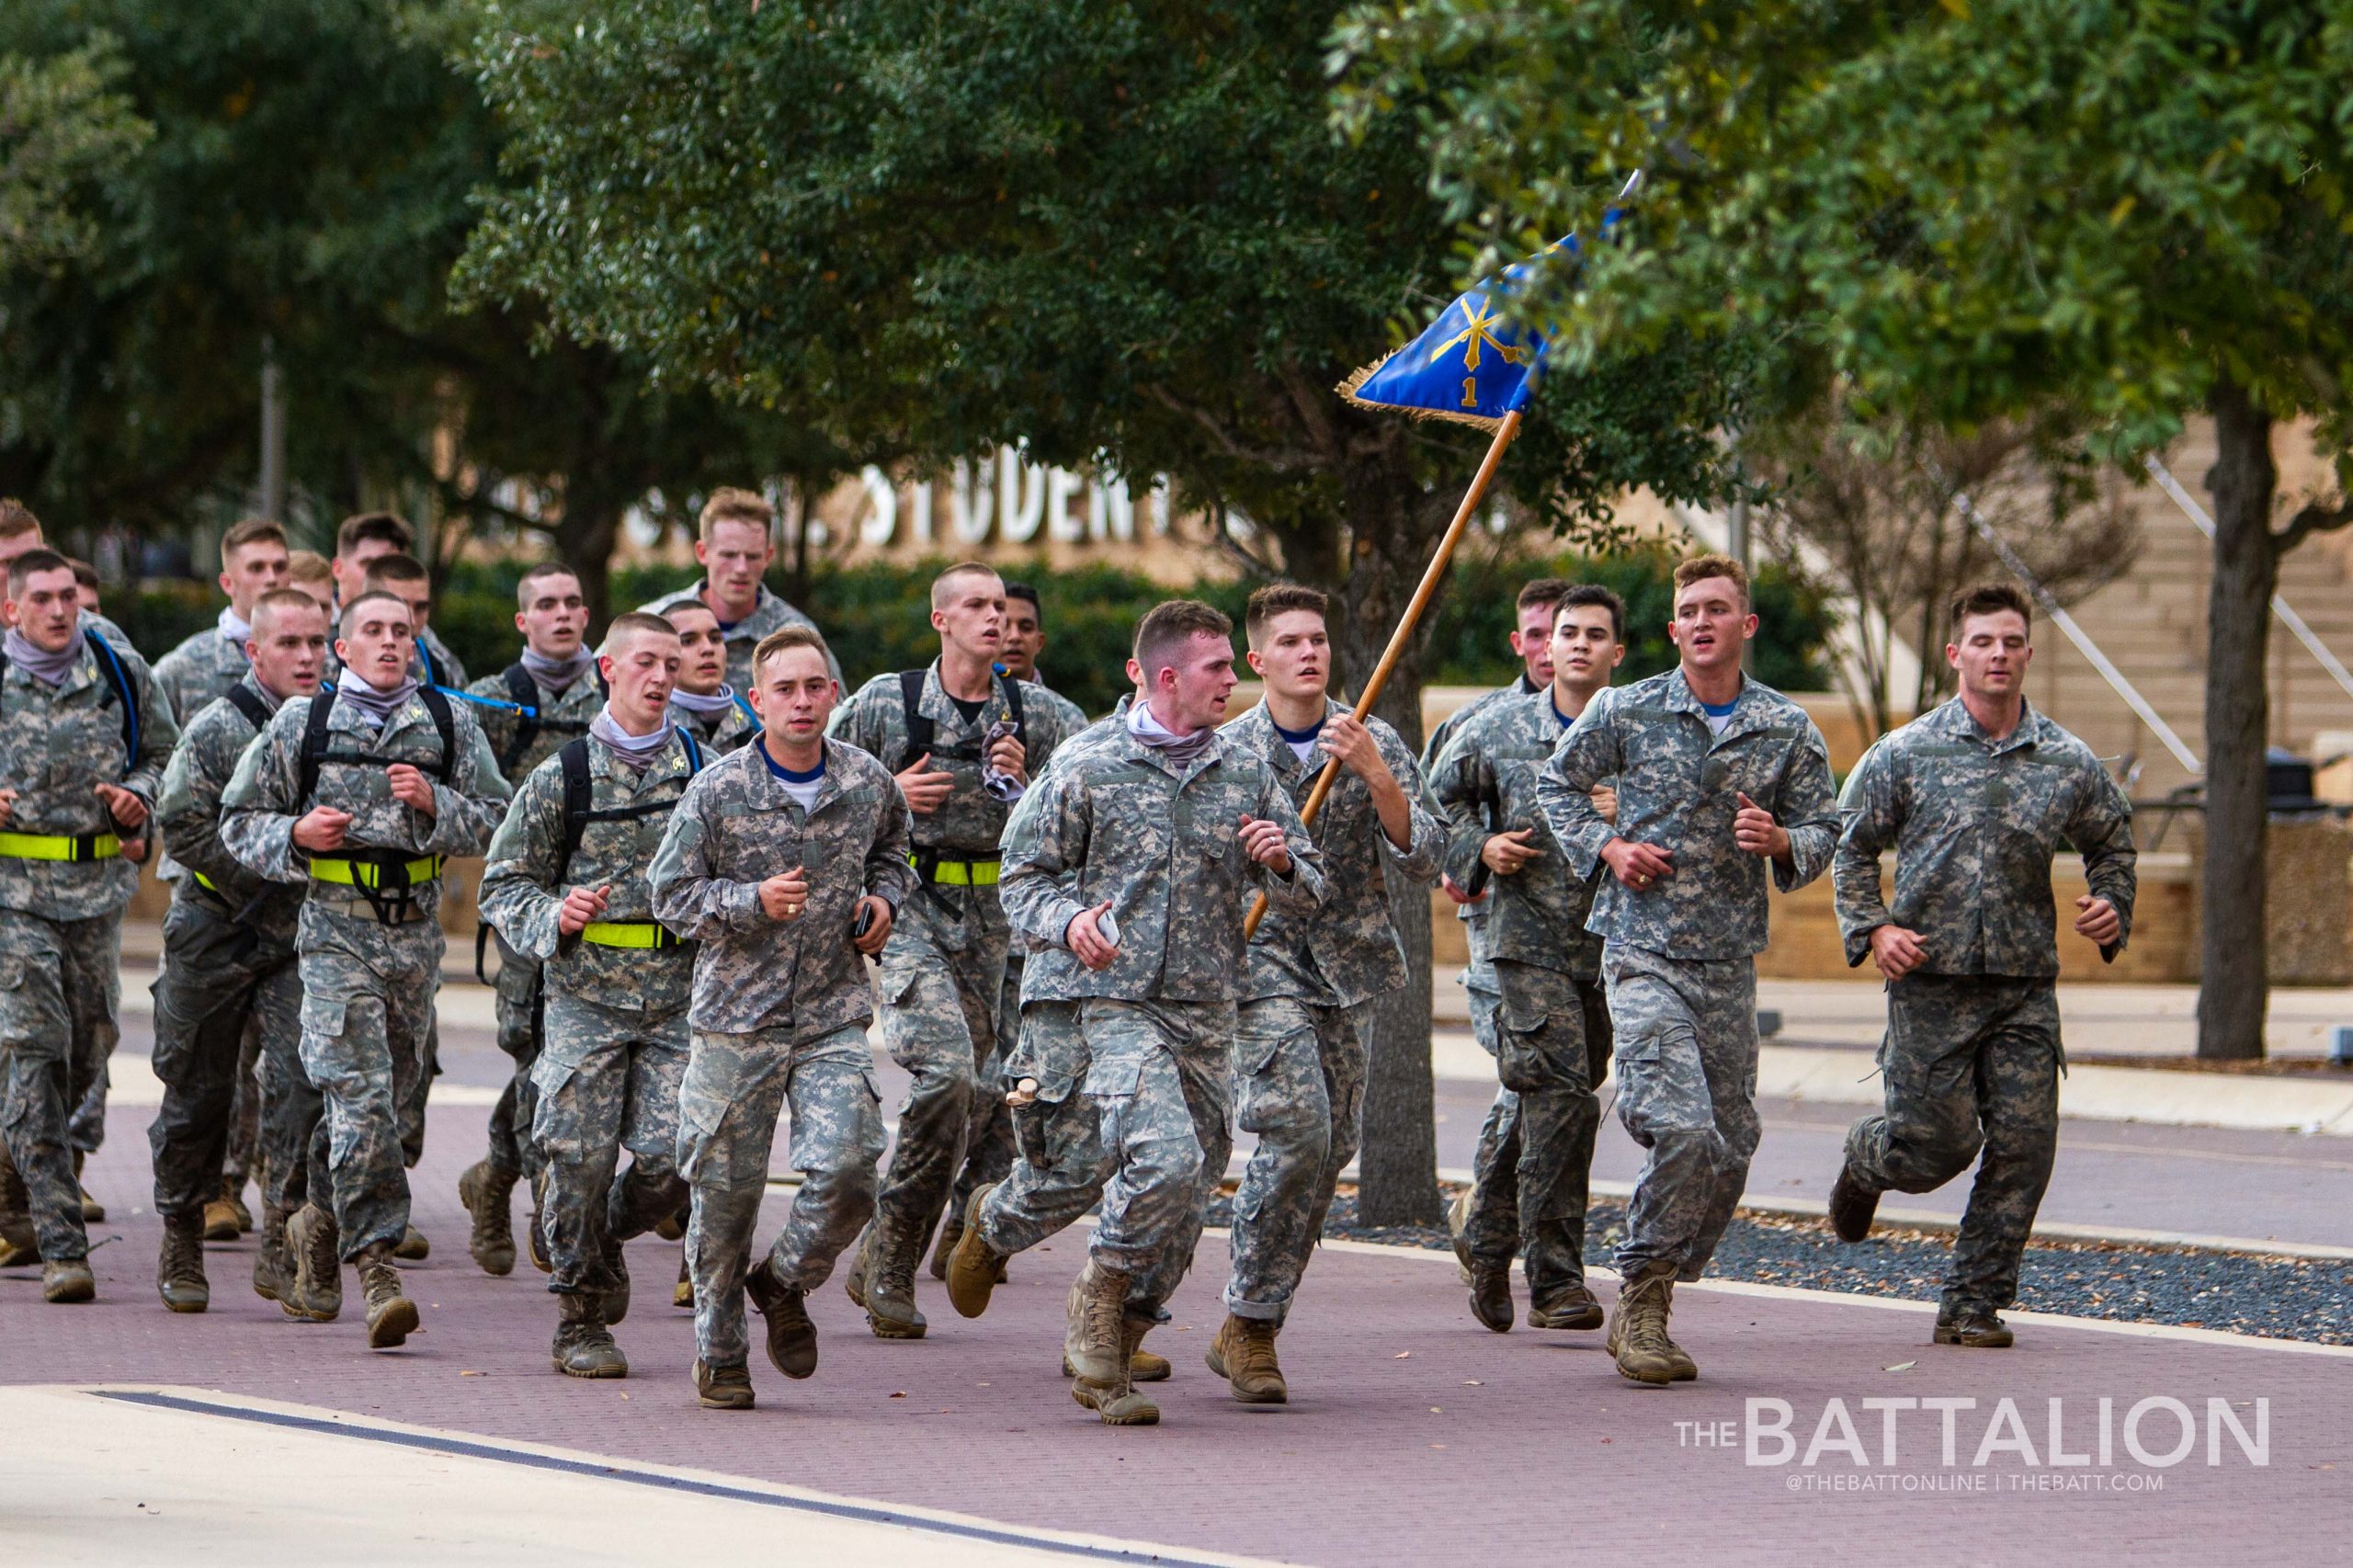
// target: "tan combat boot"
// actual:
[[1144, 1365], [950, 1228], [1638, 1328], [1117, 1401], [891, 1258], [974, 1268], [1095, 1340], [315, 1292], [392, 1316], [179, 1269], [220, 1215], [273, 1264], [1244, 1355], [723, 1388], [413, 1247], [67, 1280], [682, 1294], [487, 1194], [583, 1342], [792, 1337]]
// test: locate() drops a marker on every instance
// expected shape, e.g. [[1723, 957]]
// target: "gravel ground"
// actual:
[[2275, 1298]]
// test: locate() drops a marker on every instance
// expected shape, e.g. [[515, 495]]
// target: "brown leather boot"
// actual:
[[1574, 1307], [273, 1264], [1095, 1342], [179, 1267], [488, 1193], [892, 1255], [1117, 1402], [1638, 1329], [723, 1388], [1244, 1355], [792, 1338], [316, 1291], [974, 1268], [392, 1316]]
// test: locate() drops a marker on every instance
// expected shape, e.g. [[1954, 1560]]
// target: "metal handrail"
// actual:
[[2280, 606]]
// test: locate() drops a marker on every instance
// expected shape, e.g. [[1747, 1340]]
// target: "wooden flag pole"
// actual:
[[1399, 638]]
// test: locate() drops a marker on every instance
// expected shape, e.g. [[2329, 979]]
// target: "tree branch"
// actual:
[[2312, 519], [1279, 460]]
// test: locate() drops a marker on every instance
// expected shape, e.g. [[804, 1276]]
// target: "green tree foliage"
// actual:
[[2124, 209], [65, 126]]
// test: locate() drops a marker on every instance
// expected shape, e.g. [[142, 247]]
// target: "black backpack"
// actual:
[[574, 760], [119, 691], [240, 697], [920, 729], [524, 693], [316, 751]]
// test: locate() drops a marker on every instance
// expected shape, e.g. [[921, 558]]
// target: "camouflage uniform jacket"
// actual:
[[769, 613], [1348, 952], [563, 716], [1112, 820], [189, 816], [718, 733], [56, 743], [203, 667], [521, 896], [1974, 823], [1677, 788], [262, 802], [1474, 915], [1487, 782], [734, 828]]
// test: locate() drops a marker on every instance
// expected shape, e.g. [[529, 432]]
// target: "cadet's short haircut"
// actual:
[[286, 601], [1991, 598], [377, 528], [16, 518], [730, 505], [688, 607], [1027, 595], [1595, 594], [342, 622], [21, 569], [1700, 568], [84, 573], [308, 566], [395, 569], [1168, 627], [783, 637], [253, 530], [540, 574], [1282, 598], [940, 590], [634, 620], [1545, 591]]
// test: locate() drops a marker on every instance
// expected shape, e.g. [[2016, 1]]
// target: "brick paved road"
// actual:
[[1415, 1437]]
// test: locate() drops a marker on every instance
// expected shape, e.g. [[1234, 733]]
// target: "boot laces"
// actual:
[[1257, 1346], [1106, 1309]]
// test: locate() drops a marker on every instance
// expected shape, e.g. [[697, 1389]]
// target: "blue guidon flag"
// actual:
[[1473, 365]]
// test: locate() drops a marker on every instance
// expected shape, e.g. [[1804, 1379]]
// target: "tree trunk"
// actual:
[[1397, 1183], [585, 537], [2232, 982]]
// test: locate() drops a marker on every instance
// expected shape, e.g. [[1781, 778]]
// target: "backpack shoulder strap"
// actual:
[[694, 751], [437, 702], [1013, 704], [919, 727], [256, 712], [523, 692], [432, 665], [119, 682], [315, 744], [574, 760]]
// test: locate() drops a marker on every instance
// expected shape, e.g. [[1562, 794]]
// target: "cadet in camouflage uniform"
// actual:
[[1974, 797], [362, 542], [943, 974], [735, 540], [228, 972], [988, 1148], [1717, 776], [786, 861], [615, 1038], [556, 680], [1301, 1049], [702, 703], [75, 793], [1535, 1154], [394, 795], [1166, 825]]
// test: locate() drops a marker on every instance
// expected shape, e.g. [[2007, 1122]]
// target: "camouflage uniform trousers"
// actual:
[[367, 993], [1553, 1039], [1133, 1109], [221, 985], [989, 1155], [1686, 1092], [58, 987], [1299, 1074], [1971, 1065], [608, 1081], [736, 1087], [244, 1158], [939, 1014], [516, 999]]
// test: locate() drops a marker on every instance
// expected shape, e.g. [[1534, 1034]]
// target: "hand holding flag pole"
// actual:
[[1472, 366]]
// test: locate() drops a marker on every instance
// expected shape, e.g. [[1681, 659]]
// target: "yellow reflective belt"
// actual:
[[362, 874], [963, 873], [627, 934], [60, 846]]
